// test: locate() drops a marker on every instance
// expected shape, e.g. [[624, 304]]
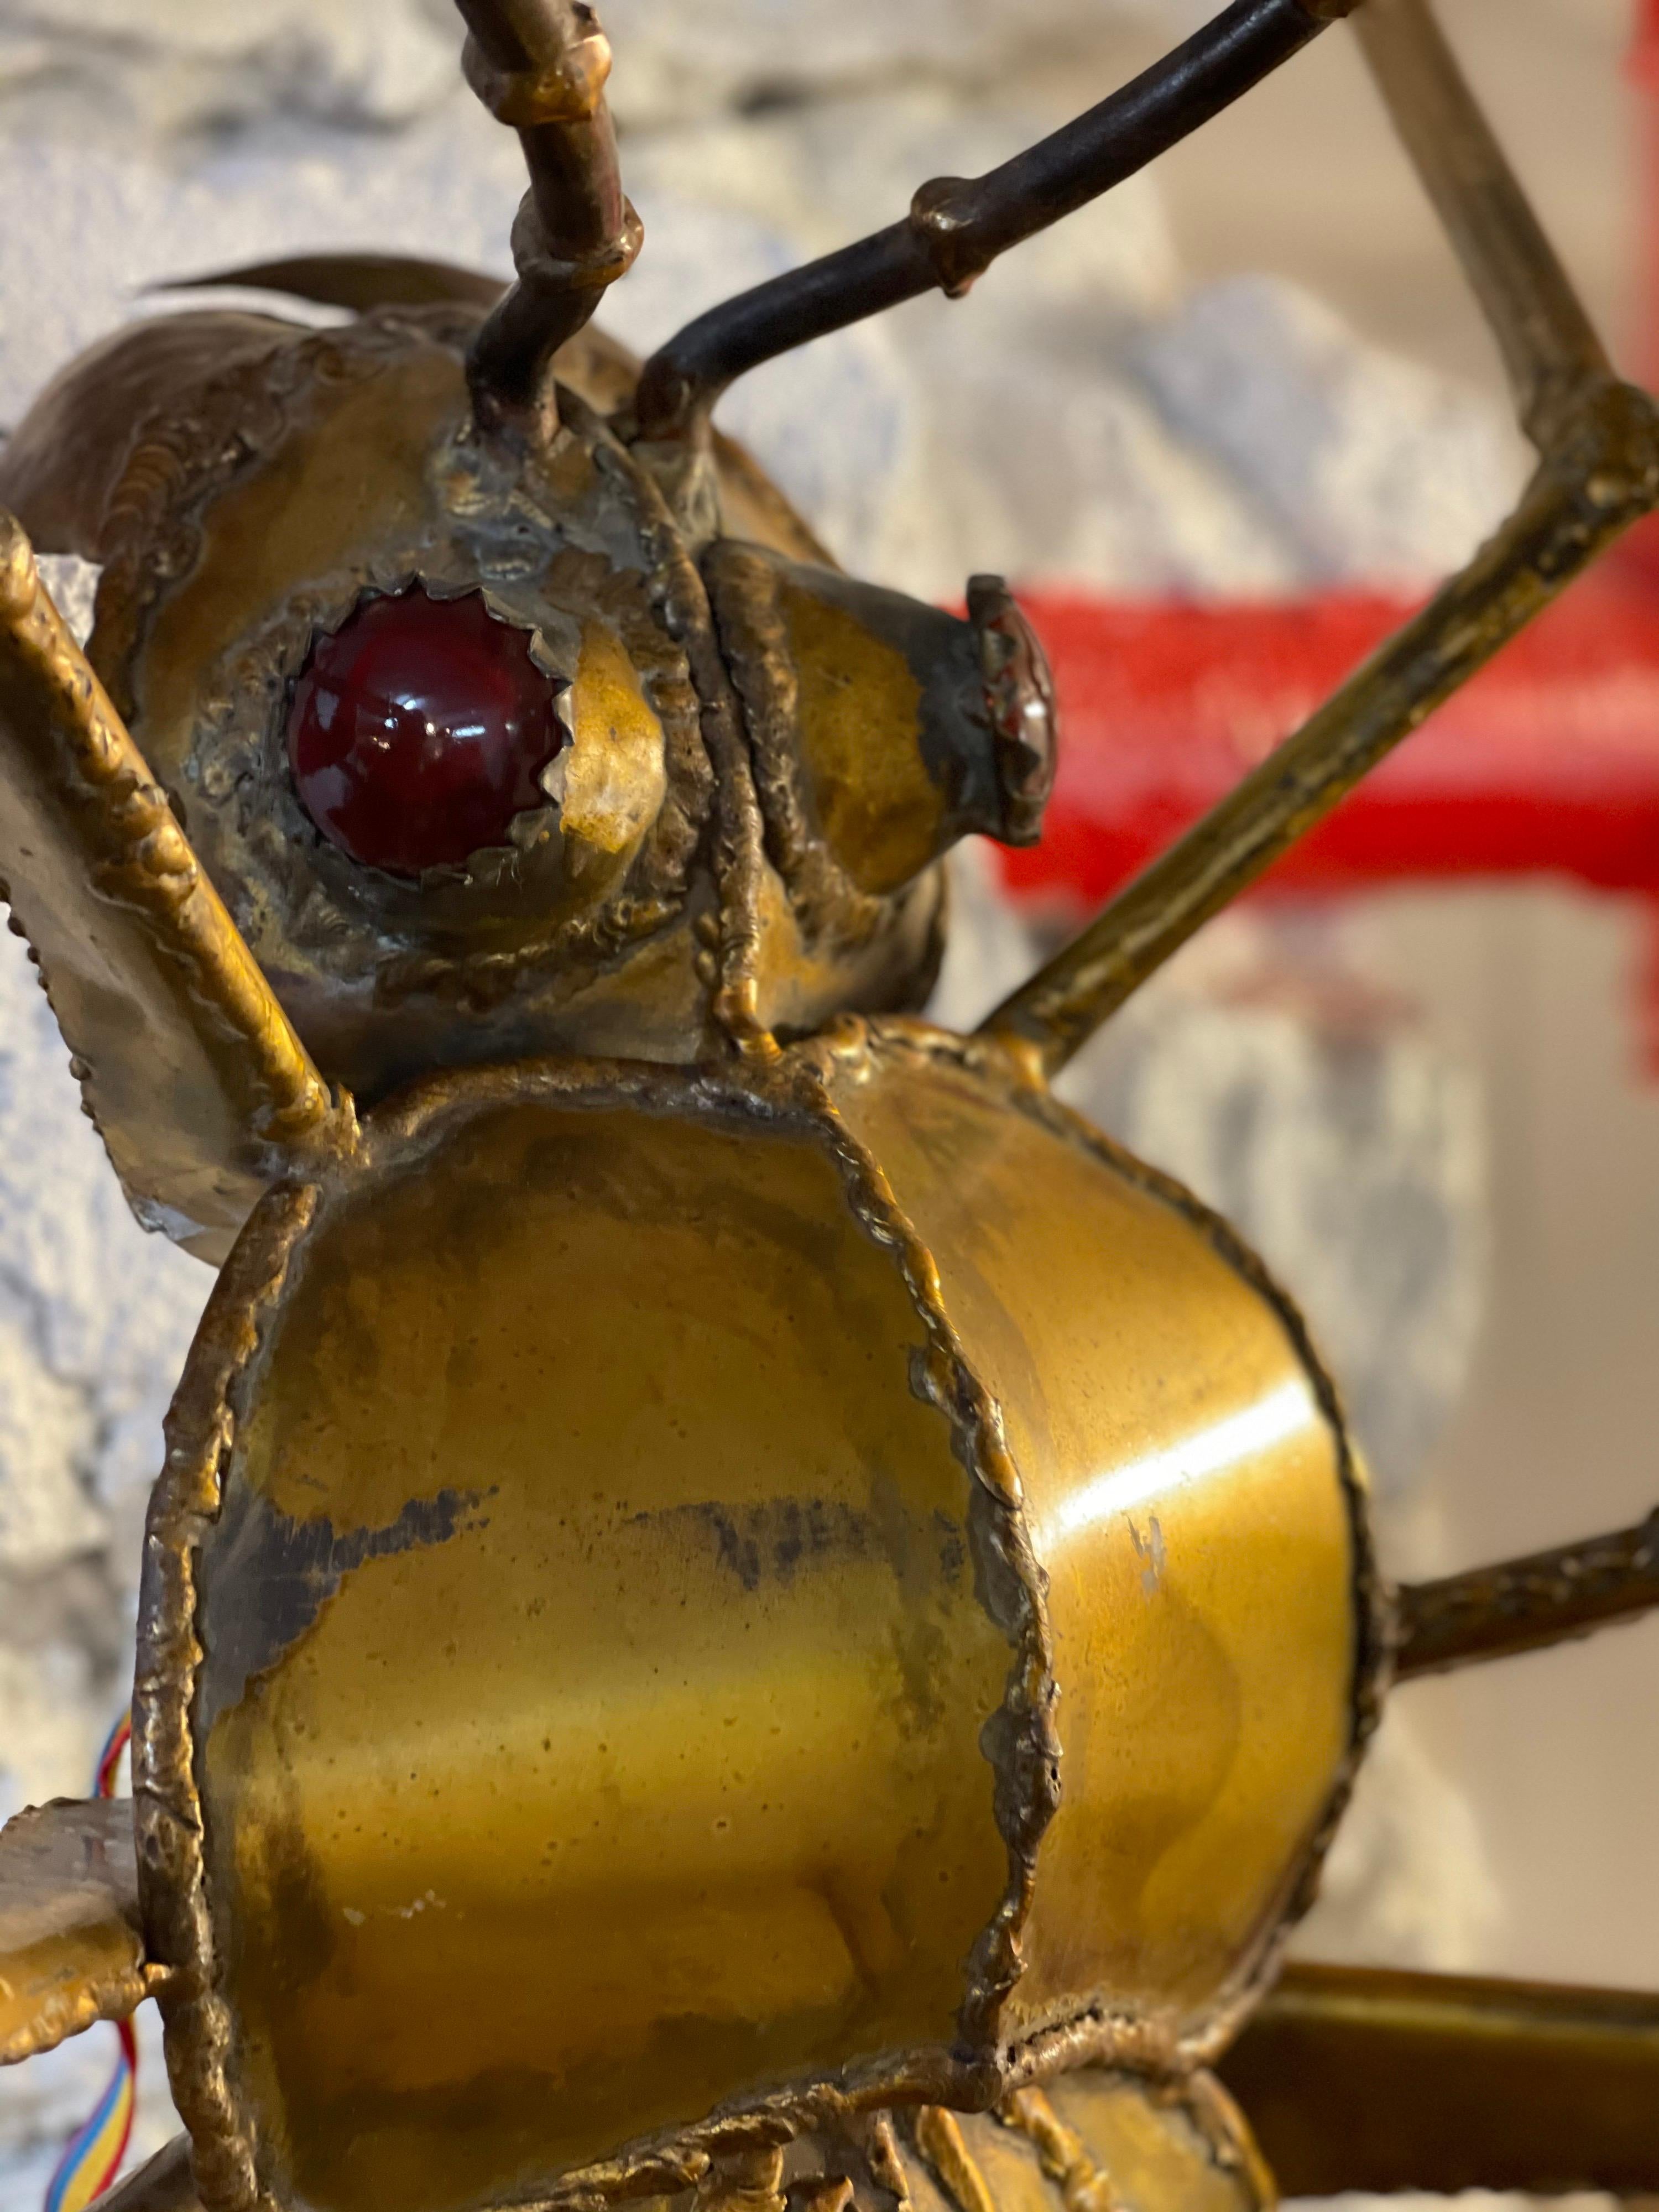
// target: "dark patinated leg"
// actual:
[[957, 226]]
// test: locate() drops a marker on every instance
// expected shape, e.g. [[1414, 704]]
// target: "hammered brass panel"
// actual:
[[1186, 1501], [594, 1671]]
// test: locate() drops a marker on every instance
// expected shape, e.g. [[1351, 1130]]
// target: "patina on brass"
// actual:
[[776, 1594], [71, 1950], [751, 1616], [665, 902]]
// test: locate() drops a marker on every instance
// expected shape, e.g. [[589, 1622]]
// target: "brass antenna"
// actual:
[[541, 66], [957, 226], [1598, 441]]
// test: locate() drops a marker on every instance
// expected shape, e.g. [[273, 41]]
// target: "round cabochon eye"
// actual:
[[419, 729]]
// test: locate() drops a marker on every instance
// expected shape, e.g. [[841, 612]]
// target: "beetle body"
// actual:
[[659, 1618], [740, 1609]]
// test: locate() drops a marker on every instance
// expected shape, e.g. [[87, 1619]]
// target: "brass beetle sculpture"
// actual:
[[740, 1608]]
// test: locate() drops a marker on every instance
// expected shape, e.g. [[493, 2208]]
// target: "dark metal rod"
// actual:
[[1523, 1605], [1542, 331], [957, 226]]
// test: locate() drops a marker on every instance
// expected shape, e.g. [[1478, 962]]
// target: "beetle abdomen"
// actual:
[[676, 1630]]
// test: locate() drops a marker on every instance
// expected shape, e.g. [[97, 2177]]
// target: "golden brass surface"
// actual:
[[879, 810], [640, 913], [770, 1611], [605, 1448], [1357, 2078], [71, 1951], [1190, 1498], [1091, 2141], [875, 727], [200, 1088]]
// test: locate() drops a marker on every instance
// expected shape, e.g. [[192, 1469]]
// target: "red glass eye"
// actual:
[[419, 729]]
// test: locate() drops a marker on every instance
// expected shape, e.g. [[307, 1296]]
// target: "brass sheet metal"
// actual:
[[163, 2184], [188, 1065], [350, 471], [642, 916], [1359, 2078], [1192, 1503], [71, 1950], [596, 1667], [880, 811]]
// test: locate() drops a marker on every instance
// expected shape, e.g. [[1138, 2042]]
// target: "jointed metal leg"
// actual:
[[541, 65], [957, 226], [1523, 1605], [1547, 343], [1599, 472], [199, 1086]]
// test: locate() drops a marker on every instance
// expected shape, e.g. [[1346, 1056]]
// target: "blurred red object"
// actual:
[[1546, 764]]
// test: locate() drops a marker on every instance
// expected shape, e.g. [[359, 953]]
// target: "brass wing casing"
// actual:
[[200, 1088], [71, 1951], [682, 1603]]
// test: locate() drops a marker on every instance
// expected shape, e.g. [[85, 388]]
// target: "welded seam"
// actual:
[[167, 1814], [1104, 2037]]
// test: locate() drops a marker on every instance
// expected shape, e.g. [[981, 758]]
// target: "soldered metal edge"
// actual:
[[790, 1091], [754, 644], [202, 1423], [730, 966], [166, 1805], [1016, 1075], [296, 865]]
